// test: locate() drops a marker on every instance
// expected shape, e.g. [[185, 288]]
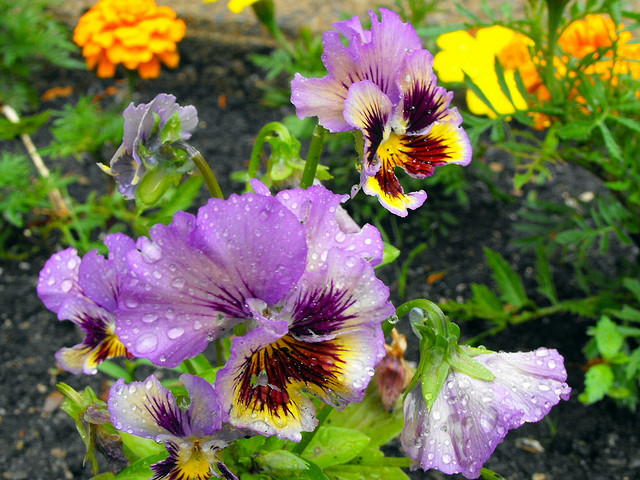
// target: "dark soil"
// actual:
[[39, 441]]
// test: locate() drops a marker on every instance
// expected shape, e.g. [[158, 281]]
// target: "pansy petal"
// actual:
[[204, 409], [322, 98], [423, 102], [265, 380], [74, 359], [262, 245], [468, 420], [176, 300], [367, 108], [99, 280], [126, 170], [119, 245], [536, 380], [146, 409], [387, 188], [343, 295], [59, 279], [327, 225]]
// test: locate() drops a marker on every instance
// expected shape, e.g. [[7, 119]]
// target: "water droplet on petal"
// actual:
[[66, 285], [146, 344], [175, 332]]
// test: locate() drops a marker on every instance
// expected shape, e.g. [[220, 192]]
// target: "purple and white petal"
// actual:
[[369, 109], [58, 279], [327, 225], [343, 295], [536, 380], [204, 412], [74, 359], [146, 409]]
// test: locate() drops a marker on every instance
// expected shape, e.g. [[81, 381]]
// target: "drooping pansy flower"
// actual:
[[85, 291], [471, 416], [136, 33], [193, 437], [147, 129], [383, 84], [295, 270]]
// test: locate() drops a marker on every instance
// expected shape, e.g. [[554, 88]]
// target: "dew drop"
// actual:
[[149, 317], [178, 282], [66, 285], [175, 332], [51, 281], [146, 343]]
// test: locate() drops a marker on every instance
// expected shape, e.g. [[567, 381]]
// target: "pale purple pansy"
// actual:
[[470, 417], [85, 291]]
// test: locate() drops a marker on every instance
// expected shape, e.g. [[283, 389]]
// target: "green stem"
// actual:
[[308, 436], [313, 157], [263, 137], [265, 11], [203, 166], [220, 360], [196, 364]]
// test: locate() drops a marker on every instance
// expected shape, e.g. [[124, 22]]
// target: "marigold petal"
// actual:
[[150, 69]]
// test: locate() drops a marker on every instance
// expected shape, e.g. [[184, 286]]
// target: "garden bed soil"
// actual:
[[39, 441]]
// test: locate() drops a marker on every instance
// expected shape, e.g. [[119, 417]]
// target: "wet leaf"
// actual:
[[334, 445]]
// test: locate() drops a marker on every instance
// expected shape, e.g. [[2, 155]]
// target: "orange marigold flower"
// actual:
[[136, 33]]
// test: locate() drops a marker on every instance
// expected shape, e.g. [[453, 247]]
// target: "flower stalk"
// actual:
[[313, 157]]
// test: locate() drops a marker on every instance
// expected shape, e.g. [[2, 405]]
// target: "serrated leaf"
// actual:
[[628, 313], [509, 283], [577, 130], [608, 338], [627, 122], [632, 285], [610, 143], [633, 366], [335, 445], [487, 303], [597, 381], [543, 275]]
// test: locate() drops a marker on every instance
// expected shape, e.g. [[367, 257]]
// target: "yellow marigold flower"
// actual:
[[136, 33], [236, 6], [462, 53]]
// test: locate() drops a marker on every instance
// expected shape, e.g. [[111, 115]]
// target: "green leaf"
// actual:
[[633, 285], [608, 338], [488, 304], [627, 122], [139, 447], [334, 445], [469, 83], [370, 418], [141, 470], [610, 143], [597, 381], [508, 281], [365, 472], [287, 465], [389, 254], [577, 130], [543, 275], [26, 125], [633, 366]]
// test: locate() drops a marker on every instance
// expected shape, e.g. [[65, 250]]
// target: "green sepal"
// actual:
[[434, 374], [389, 254], [154, 184], [172, 130], [462, 362]]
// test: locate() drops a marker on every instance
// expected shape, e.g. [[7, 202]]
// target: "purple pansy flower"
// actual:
[[193, 436], [383, 85], [470, 417], [144, 135], [295, 269], [85, 291]]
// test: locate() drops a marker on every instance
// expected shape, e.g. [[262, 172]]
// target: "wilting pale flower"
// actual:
[[85, 291], [383, 85], [236, 6], [470, 416], [193, 436], [136, 33], [149, 131], [294, 271]]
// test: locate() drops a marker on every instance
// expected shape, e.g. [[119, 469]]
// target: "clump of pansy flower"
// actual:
[[287, 279], [382, 84], [138, 34]]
